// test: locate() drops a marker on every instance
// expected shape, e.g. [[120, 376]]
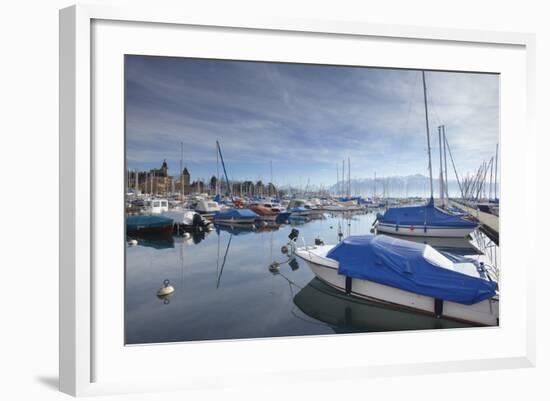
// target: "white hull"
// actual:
[[419, 231], [485, 312], [235, 221]]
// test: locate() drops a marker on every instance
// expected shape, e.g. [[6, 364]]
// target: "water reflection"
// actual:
[[347, 314], [224, 288]]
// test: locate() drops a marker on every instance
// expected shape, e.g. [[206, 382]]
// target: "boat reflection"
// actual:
[[154, 242], [347, 314]]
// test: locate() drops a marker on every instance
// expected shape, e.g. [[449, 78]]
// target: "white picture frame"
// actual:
[[83, 328]]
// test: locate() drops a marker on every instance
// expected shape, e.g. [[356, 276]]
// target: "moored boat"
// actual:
[[149, 225], [424, 221], [236, 216], [407, 275]]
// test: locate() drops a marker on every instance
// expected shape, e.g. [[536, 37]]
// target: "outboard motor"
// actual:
[[197, 220], [294, 234]]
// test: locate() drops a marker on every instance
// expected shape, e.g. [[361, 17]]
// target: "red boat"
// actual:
[[264, 212]]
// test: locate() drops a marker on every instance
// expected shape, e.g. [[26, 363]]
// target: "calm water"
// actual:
[[224, 289]]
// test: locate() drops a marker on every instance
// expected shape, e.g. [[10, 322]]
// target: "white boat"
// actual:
[[158, 206], [412, 230], [207, 206], [484, 312]]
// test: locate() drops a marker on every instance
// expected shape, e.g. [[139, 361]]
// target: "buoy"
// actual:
[[186, 235], [166, 290], [132, 242], [274, 267]]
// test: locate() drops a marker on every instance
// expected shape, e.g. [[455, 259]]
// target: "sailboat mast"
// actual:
[[428, 135], [349, 178], [271, 176], [337, 178], [181, 173], [441, 194], [445, 163], [343, 177]]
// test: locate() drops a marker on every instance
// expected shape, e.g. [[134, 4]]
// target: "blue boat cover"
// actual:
[[147, 221], [401, 264], [241, 214], [427, 215]]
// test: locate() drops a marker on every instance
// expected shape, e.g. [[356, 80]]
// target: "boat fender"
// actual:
[[438, 307], [425, 228], [348, 285], [397, 227]]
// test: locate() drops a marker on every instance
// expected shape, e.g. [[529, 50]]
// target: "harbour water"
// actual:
[[224, 288]]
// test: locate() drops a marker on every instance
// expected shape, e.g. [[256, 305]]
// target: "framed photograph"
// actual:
[[274, 194]]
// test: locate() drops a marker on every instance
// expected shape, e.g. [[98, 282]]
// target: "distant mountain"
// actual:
[[395, 186]]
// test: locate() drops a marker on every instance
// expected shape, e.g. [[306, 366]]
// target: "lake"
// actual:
[[224, 288]]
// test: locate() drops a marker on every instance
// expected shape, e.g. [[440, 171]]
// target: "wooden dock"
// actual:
[[489, 222]]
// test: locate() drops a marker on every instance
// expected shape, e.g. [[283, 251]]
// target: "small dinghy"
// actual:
[[409, 275]]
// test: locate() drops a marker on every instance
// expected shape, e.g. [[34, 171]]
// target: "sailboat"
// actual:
[[425, 220]]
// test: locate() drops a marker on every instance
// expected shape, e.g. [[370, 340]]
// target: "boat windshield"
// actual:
[[436, 258]]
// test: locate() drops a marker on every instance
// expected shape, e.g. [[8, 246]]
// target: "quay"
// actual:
[[489, 222]]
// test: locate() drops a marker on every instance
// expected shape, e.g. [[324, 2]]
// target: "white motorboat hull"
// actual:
[[484, 313], [420, 231]]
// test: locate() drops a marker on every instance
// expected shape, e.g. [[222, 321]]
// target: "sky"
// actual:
[[304, 119]]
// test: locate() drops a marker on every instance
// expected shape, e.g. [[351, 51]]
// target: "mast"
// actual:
[[441, 194], [337, 178], [271, 176], [428, 135], [181, 174], [218, 184], [343, 176], [374, 195], [445, 163], [224, 170], [349, 178]]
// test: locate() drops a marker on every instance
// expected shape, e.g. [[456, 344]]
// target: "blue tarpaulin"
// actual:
[[428, 215], [236, 214], [402, 264]]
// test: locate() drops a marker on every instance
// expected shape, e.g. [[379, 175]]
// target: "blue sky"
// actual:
[[304, 118]]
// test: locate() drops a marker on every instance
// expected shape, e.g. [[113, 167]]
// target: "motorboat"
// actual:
[[347, 314], [188, 219], [268, 214], [408, 275], [206, 206]]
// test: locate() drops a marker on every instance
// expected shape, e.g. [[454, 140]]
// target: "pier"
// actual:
[[489, 222]]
